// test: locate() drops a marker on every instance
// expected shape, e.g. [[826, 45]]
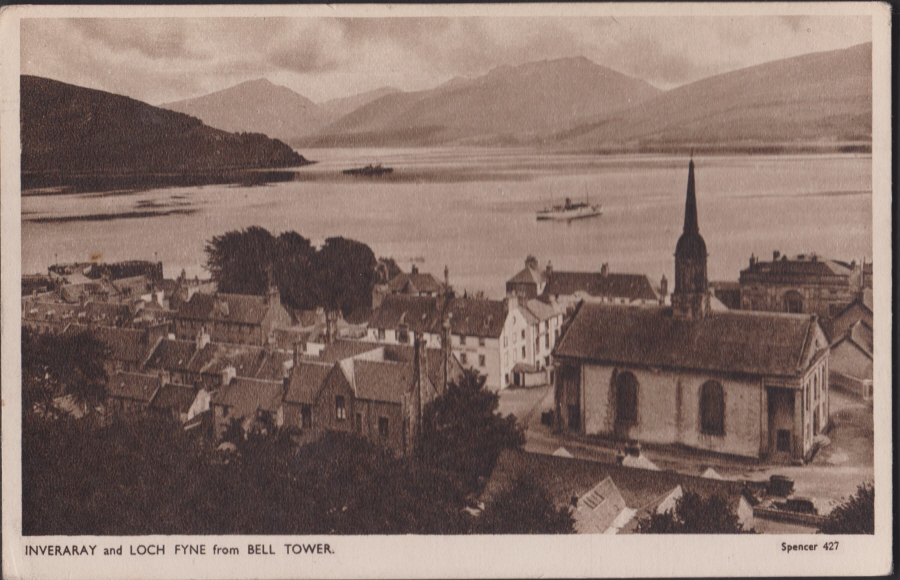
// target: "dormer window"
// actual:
[[403, 334]]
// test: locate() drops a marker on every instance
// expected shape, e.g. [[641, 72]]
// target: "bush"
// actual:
[[854, 516]]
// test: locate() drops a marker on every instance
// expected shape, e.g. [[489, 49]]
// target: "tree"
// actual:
[[854, 516], [524, 508], [339, 276], [694, 514], [462, 431], [345, 274], [386, 270], [66, 364]]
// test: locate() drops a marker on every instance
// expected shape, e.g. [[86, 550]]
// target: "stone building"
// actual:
[[805, 283], [740, 383], [232, 318]]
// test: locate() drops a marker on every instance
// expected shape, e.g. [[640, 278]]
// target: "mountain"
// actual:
[[508, 105], [69, 130], [818, 99], [256, 106], [336, 108]]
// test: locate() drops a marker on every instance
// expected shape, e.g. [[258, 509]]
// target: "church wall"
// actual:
[[668, 409]]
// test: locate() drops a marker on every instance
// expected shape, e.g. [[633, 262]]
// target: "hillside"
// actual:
[[334, 109], [509, 105], [256, 106], [819, 99], [68, 130]]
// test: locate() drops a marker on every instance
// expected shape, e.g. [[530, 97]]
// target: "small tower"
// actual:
[[690, 298]]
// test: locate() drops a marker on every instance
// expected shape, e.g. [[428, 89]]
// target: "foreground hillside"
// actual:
[[815, 100], [69, 130]]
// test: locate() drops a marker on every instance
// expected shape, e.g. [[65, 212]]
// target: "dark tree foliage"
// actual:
[[694, 514], [62, 364], [463, 433], [340, 275], [854, 516], [525, 508], [345, 274], [386, 270]]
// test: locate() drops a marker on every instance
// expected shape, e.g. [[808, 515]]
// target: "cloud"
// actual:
[[166, 59]]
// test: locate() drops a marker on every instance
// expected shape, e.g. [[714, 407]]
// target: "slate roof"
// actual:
[[860, 334], [469, 316], [246, 396], [404, 353], [174, 396], [172, 355], [541, 310], [413, 283], [272, 366], [237, 308], [798, 266], [629, 286], [307, 379], [854, 312], [528, 276], [125, 344], [565, 477], [343, 349], [598, 508], [382, 381], [754, 343], [216, 356], [134, 386]]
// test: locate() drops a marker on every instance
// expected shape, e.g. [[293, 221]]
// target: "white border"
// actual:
[[436, 556]]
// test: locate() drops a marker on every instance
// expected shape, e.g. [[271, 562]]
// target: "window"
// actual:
[[463, 359], [523, 333], [546, 341], [462, 340], [380, 334], [712, 408], [506, 379], [480, 341], [793, 302], [339, 408], [383, 426], [403, 334], [505, 341], [481, 361], [626, 398], [523, 352], [306, 416]]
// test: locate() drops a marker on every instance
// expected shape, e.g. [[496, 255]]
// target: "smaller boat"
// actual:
[[369, 170], [569, 211]]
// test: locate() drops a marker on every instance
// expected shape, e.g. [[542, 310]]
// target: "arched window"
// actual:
[[712, 408], [793, 302], [626, 398]]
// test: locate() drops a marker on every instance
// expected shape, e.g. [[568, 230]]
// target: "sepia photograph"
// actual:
[[287, 286]]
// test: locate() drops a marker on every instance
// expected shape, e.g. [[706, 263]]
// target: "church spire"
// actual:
[[690, 205]]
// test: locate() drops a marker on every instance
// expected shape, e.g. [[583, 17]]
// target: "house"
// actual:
[[414, 283], [375, 391], [544, 323], [127, 348], [609, 498], [490, 336], [253, 404], [174, 400], [804, 283], [569, 288], [734, 382], [851, 365], [232, 318], [131, 393]]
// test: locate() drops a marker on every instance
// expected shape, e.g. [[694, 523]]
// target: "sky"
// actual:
[[159, 60]]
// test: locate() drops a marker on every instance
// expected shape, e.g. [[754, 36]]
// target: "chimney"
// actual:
[[298, 350], [330, 326], [202, 338], [549, 268], [447, 277], [163, 378], [775, 255], [604, 269], [415, 269], [663, 289], [228, 374]]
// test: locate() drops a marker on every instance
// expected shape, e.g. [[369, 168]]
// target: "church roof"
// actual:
[[753, 343]]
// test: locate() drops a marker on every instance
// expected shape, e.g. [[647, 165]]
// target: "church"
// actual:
[[752, 384]]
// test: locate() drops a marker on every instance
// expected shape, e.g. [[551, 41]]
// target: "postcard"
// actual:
[[446, 291]]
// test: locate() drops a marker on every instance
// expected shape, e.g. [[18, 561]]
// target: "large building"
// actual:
[[806, 283], [740, 383], [569, 288], [489, 336]]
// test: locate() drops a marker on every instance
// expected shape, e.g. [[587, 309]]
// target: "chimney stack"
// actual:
[[604, 269], [330, 326], [663, 289], [228, 374], [415, 269], [775, 255], [549, 268]]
